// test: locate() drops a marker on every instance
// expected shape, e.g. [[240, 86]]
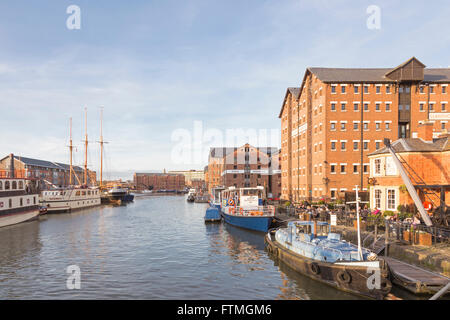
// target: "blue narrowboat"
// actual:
[[245, 208]]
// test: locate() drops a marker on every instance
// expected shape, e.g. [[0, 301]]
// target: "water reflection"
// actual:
[[154, 248]]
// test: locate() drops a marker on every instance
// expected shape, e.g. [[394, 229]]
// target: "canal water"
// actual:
[[154, 248]]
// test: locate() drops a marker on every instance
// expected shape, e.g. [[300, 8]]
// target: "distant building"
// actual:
[[159, 181], [192, 177], [427, 162], [245, 166], [46, 172]]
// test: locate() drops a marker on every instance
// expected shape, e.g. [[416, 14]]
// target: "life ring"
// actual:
[[314, 267], [344, 277], [427, 205], [230, 202]]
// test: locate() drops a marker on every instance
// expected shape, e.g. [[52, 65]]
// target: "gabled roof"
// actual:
[[220, 152], [44, 163], [379, 75], [67, 167], [416, 145], [294, 92], [413, 60], [37, 162]]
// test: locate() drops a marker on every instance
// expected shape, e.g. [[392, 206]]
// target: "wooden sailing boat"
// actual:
[[74, 196]]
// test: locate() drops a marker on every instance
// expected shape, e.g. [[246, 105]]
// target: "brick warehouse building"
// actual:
[[245, 166], [338, 116], [193, 178], [159, 181], [53, 172]]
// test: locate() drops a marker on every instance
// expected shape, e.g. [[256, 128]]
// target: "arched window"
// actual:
[[6, 185], [20, 184], [14, 185], [1, 185]]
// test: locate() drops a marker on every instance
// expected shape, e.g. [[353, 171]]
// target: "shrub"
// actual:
[[388, 213]]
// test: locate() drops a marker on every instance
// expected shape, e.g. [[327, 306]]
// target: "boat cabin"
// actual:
[[216, 195], [244, 197]]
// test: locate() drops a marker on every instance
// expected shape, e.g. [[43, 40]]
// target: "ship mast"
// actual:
[[85, 147], [101, 146], [102, 142], [70, 148]]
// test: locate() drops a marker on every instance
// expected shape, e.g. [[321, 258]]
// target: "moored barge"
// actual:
[[311, 249]]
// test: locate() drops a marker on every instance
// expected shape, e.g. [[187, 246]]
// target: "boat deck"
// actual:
[[415, 279]]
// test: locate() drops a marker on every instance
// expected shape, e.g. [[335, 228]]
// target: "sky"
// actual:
[[164, 69]]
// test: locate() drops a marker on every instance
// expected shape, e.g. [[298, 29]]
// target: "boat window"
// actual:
[[34, 200], [21, 202], [322, 230], [78, 193], [10, 203], [14, 185], [6, 185], [20, 184], [1, 185], [304, 229], [83, 193], [250, 192]]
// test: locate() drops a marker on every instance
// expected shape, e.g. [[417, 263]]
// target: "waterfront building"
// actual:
[[159, 181], [244, 167], [338, 116], [427, 163], [193, 178], [44, 171]]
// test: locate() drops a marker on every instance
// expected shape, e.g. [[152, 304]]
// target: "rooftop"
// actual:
[[416, 145]]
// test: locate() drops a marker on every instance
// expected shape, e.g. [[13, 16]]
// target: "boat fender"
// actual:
[[385, 286], [315, 269], [344, 277]]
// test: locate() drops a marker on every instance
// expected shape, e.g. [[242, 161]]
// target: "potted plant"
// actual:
[[411, 236], [425, 238]]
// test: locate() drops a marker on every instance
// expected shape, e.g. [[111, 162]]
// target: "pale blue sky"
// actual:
[[158, 66]]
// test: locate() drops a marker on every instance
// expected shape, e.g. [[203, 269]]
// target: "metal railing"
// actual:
[[417, 233], [257, 211]]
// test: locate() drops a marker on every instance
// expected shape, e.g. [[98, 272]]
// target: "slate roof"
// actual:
[[336, 75], [45, 164], [295, 93], [416, 145]]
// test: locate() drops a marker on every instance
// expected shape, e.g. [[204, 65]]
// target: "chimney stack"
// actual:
[[425, 131], [11, 165]]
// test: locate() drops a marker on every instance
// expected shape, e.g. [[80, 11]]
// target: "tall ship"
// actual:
[[72, 197], [19, 199], [246, 208]]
